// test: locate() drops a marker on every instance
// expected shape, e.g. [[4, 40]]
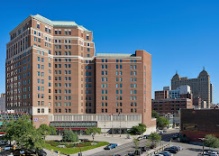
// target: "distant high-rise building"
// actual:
[[200, 86], [52, 73], [2, 102], [171, 101]]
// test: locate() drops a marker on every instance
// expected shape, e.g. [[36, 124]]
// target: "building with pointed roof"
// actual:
[[201, 86]]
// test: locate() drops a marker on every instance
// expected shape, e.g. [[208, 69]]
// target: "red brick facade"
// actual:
[[51, 68]]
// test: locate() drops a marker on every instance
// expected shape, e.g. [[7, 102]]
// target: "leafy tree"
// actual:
[[211, 141], [69, 136], [24, 133], [136, 143], [93, 131], [137, 130], [52, 130], [9, 130], [162, 122], [154, 138], [46, 130], [155, 114]]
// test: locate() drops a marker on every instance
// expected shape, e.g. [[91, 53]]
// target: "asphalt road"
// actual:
[[122, 149], [188, 149]]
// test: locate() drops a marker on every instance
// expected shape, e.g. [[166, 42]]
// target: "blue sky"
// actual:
[[181, 35]]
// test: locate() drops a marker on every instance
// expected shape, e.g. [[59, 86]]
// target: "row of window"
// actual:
[[59, 104], [132, 110], [117, 60]]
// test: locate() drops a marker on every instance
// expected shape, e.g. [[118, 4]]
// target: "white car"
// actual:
[[213, 154]]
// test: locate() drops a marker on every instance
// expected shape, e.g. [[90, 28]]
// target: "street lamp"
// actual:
[[203, 145]]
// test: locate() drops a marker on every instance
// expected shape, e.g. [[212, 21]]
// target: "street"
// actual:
[[127, 145]]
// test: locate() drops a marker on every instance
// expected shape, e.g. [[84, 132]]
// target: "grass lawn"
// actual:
[[74, 149]]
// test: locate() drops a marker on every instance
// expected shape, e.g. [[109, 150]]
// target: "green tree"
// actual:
[[162, 122], [45, 130], [155, 114], [53, 130], [154, 138], [24, 133], [136, 143], [211, 141], [137, 130], [69, 136], [9, 130], [93, 131]]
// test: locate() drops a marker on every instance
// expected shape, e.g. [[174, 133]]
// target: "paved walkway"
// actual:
[[109, 138], [99, 137]]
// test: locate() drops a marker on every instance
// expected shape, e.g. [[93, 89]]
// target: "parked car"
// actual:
[[140, 138], [175, 148], [41, 152], [7, 147], [110, 146], [175, 136], [166, 153], [135, 152], [158, 155], [171, 150], [180, 148], [3, 142], [213, 153], [145, 136]]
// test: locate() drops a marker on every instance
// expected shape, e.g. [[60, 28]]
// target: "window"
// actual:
[[87, 37], [38, 110], [38, 25]]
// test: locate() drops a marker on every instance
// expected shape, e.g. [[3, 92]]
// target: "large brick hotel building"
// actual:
[[53, 73]]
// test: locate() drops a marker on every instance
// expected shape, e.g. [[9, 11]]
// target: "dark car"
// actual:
[[110, 146], [145, 136], [175, 136], [171, 150], [41, 152]]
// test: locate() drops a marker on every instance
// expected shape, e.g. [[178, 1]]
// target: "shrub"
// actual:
[[69, 136], [53, 143], [83, 144]]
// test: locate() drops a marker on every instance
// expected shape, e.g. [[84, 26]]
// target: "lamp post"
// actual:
[[203, 145]]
